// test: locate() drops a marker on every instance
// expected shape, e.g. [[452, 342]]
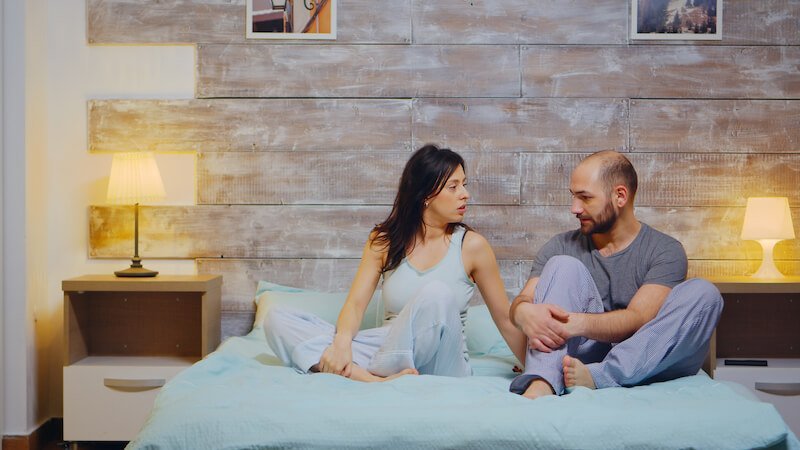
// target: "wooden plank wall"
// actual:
[[300, 145]]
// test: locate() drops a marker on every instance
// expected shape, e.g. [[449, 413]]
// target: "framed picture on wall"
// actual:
[[676, 19], [291, 19]]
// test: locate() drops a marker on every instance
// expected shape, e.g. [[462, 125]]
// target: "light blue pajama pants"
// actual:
[[427, 335], [672, 345]]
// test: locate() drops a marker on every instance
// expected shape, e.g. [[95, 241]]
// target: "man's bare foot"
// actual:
[[538, 388], [576, 373], [358, 373]]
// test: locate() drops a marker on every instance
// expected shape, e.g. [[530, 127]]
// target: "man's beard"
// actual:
[[604, 222]]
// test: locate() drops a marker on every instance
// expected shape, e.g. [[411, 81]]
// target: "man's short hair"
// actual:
[[617, 170]]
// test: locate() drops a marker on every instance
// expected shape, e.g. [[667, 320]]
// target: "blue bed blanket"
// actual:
[[238, 398]]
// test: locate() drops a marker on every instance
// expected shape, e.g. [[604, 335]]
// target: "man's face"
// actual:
[[591, 203]]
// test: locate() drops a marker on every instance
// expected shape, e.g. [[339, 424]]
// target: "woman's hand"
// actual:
[[337, 359]]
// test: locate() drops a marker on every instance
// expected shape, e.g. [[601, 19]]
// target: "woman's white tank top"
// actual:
[[401, 283]]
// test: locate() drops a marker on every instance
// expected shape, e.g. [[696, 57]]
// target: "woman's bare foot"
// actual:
[[538, 388], [358, 373], [576, 373]]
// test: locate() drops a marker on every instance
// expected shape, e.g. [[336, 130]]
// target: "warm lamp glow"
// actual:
[[134, 179], [767, 220]]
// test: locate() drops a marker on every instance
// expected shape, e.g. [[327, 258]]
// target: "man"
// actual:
[[607, 305]]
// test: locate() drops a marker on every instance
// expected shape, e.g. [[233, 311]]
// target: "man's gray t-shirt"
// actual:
[[652, 258]]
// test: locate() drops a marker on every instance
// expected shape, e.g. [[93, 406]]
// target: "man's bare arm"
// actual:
[[616, 326]]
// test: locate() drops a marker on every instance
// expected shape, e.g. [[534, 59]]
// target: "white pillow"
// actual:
[[326, 305]]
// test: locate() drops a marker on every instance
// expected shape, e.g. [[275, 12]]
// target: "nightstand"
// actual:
[[123, 339], [761, 321]]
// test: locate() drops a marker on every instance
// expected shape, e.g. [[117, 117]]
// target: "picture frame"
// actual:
[[291, 19], [676, 20]]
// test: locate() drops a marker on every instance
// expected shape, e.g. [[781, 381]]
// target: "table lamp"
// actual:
[[767, 220], [134, 179]]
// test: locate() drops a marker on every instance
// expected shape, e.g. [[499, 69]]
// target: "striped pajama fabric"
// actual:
[[672, 345]]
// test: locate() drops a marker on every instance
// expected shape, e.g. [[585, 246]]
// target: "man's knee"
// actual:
[[565, 281], [698, 294], [705, 293], [563, 266], [564, 262]]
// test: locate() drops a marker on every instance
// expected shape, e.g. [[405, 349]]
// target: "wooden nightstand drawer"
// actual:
[[778, 383], [109, 398]]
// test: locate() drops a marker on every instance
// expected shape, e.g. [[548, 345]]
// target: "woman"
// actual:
[[430, 262]]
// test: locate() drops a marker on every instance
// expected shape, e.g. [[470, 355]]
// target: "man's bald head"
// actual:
[[613, 169]]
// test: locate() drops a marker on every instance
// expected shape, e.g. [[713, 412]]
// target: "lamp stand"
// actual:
[[136, 269], [768, 269]]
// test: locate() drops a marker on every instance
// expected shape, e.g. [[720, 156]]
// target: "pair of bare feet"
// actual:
[[359, 373], [575, 374]]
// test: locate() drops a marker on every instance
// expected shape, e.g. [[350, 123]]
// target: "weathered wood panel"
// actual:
[[555, 125], [242, 276], [236, 323], [715, 180], [164, 22], [357, 71], [715, 269], [713, 233], [716, 126], [223, 21], [746, 22], [764, 22], [520, 22], [342, 178], [673, 179], [234, 231], [545, 178], [661, 72], [325, 275], [248, 125], [698, 268], [515, 232]]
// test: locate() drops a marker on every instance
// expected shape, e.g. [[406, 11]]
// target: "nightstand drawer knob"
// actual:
[[778, 388], [125, 383]]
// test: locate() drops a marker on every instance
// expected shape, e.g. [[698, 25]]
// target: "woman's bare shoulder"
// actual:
[[377, 244], [474, 242]]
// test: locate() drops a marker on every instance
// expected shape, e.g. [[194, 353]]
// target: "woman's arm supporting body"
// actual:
[[481, 265], [338, 358]]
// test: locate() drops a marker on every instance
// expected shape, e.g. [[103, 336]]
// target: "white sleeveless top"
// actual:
[[401, 283]]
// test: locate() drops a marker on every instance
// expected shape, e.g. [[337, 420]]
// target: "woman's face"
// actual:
[[450, 204]]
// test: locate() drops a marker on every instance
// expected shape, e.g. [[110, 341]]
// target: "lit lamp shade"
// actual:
[[135, 179], [767, 220]]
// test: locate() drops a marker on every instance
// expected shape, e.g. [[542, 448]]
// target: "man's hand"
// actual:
[[543, 324], [338, 359]]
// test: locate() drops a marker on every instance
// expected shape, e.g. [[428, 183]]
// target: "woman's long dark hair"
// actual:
[[424, 177]]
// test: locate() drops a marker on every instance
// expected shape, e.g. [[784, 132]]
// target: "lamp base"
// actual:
[[768, 269], [136, 270]]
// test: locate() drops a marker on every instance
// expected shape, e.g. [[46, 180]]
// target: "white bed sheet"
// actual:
[[239, 397]]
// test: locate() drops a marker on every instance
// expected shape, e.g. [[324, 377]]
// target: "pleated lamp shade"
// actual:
[[134, 179]]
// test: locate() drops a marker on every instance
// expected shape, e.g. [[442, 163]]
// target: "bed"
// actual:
[[241, 397]]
